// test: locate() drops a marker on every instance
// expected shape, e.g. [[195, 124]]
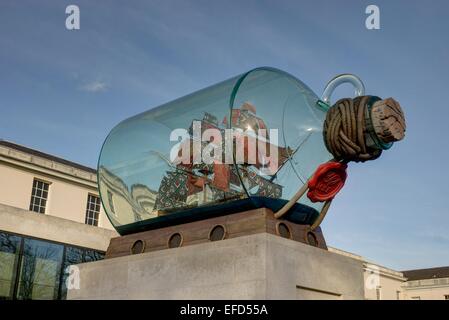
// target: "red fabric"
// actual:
[[327, 181], [222, 175], [235, 116], [195, 184]]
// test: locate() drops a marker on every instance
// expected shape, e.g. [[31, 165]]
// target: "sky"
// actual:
[[62, 91]]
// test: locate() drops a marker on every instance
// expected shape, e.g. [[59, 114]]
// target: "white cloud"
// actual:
[[95, 86]]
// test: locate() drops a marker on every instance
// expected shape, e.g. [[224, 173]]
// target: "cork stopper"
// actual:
[[388, 120]]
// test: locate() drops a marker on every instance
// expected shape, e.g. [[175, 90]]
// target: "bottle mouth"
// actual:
[[371, 136], [385, 121]]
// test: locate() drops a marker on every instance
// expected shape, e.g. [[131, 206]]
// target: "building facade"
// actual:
[[51, 217], [381, 283], [35, 181], [427, 284]]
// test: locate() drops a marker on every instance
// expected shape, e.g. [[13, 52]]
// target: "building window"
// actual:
[[378, 296], [39, 196], [416, 298], [92, 210], [446, 297], [9, 259], [398, 295], [36, 268], [40, 270]]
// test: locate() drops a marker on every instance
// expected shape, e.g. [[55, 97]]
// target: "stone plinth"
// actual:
[[258, 266]]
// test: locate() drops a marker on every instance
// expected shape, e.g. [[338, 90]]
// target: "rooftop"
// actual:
[[431, 273], [46, 156]]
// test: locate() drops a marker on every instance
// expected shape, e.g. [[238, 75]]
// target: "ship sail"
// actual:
[[190, 184]]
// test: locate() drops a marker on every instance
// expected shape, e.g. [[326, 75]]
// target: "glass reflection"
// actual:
[[40, 270], [9, 257], [73, 256], [35, 269]]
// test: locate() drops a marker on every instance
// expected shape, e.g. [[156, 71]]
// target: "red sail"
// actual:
[[222, 175]]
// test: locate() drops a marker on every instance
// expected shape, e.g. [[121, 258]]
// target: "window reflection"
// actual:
[[40, 270], [9, 258], [35, 269]]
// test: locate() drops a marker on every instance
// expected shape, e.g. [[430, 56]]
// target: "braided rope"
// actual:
[[344, 131]]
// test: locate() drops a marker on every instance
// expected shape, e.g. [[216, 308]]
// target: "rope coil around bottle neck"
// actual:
[[346, 129]]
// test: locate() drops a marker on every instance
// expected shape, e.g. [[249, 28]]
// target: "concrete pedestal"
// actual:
[[259, 266]]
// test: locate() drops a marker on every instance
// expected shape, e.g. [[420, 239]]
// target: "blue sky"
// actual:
[[62, 91]]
